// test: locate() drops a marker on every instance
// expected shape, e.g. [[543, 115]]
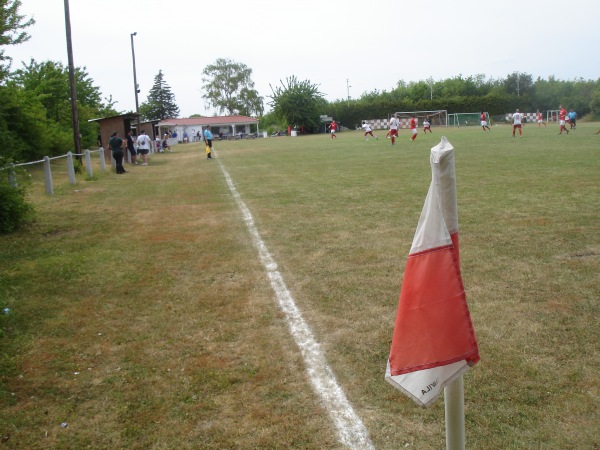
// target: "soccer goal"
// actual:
[[552, 115], [438, 117], [467, 119]]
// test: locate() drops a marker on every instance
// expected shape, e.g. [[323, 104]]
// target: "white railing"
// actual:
[[12, 178]]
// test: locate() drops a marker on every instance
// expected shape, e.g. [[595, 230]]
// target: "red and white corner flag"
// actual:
[[433, 342]]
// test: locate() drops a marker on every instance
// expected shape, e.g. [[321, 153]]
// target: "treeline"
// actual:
[[36, 117], [472, 94]]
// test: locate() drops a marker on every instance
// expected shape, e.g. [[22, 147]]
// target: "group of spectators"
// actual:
[[141, 146], [118, 146]]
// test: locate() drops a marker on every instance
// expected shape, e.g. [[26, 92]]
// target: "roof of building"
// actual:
[[220, 120]]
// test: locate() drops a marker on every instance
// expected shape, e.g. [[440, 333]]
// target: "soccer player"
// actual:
[[517, 118], [540, 120], [562, 117], [413, 128], [484, 124], [426, 125], [368, 131], [393, 133], [333, 128]]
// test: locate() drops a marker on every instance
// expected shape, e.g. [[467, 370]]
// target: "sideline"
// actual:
[[351, 431]]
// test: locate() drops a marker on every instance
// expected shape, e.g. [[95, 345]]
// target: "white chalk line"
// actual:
[[351, 431]]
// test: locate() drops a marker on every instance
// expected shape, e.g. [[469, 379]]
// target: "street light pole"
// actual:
[[348, 88], [430, 82], [135, 86]]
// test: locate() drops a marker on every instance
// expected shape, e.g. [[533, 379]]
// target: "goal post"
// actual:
[[467, 119], [552, 115], [438, 117]]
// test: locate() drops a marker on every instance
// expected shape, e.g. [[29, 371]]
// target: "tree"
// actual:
[[519, 84], [595, 102], [161, 101], [298, 102], [229, 88], [48, 82], [12, 31]]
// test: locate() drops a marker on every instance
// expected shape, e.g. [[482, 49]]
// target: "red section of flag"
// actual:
[[433, 325]]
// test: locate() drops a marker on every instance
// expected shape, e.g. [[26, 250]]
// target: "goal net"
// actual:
[[436, 118], [467, 119]]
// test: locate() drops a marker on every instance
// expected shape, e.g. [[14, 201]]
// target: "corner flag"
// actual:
[[433, 342]]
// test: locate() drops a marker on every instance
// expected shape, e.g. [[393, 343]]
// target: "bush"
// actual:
[[14, 209]]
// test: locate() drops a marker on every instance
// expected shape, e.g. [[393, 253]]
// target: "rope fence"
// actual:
[[48, 167]]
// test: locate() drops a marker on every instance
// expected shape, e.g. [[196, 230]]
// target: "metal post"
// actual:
[[454, 401]]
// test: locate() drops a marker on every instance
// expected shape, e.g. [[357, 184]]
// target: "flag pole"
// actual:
[[454, 401]]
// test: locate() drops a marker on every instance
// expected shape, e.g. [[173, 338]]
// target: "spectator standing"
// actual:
[[165, 144], [131, 147], [116, 145], [143, 145]]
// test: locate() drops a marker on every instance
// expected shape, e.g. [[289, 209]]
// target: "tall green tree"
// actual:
[[519, 84], [12, 31], [161, 101], [229, 88], [48, 83], [300, 103]]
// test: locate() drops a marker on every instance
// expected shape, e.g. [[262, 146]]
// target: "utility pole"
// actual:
[[135, 85], [74, 113]]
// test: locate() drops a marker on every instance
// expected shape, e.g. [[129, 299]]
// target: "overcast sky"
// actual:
[[344, 47]]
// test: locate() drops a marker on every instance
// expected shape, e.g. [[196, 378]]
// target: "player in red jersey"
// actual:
[[413, 128], [562, 119], [333, 127], [540, 119], [484, 124]]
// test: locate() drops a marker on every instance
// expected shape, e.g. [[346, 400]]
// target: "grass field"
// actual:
[[140, 316]]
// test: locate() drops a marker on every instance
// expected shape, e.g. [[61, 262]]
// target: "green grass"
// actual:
[[148, 287]]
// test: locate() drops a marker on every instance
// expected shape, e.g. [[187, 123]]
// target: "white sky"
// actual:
[[372, 44]]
